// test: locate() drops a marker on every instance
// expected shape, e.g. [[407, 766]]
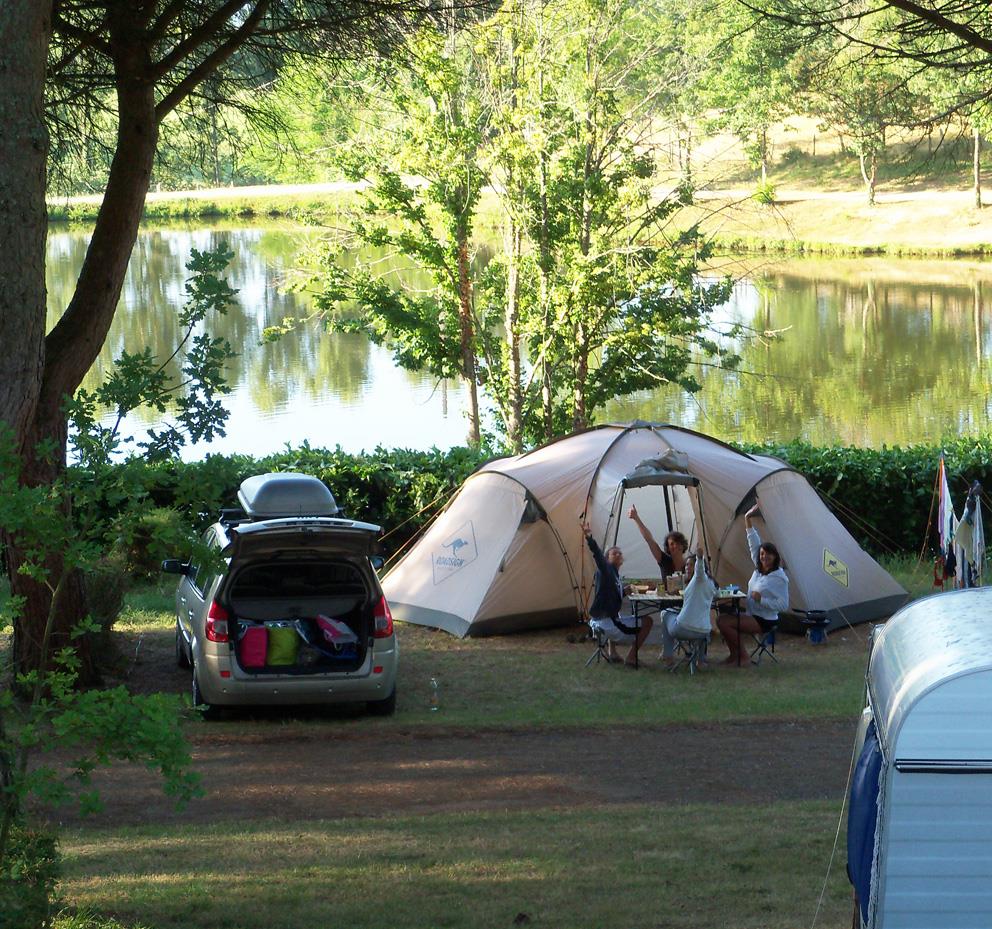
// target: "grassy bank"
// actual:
[[314, 203], [648, 865], [215, 205], [933, 222]]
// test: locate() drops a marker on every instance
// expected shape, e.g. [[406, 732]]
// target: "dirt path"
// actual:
[[314, 774]]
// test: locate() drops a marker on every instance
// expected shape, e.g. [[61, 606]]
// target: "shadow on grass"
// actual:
[[695, 866]]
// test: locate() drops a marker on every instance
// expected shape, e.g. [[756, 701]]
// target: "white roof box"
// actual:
[[271, 496]]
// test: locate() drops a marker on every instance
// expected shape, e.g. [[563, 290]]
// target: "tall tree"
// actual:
[[748, 83], [625, 308], [865, 99], [419, 199], [152, 56], [597, 295]]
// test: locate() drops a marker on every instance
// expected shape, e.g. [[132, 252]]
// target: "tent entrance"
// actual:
[[667, 499]]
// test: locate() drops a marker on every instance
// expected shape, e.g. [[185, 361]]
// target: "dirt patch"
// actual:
[[301, 775]]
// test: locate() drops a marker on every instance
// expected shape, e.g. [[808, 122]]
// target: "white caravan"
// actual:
[[920, 818]]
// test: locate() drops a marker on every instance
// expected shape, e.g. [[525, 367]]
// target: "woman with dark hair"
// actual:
[[767, 593], [671, 556]]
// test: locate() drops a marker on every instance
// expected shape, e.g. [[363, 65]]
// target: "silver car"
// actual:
[[297, 615]]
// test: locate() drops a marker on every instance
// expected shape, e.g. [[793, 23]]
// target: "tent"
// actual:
[[507, 552]]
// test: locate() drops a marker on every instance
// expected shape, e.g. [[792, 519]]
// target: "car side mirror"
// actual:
[[175, 566], [378, 562]]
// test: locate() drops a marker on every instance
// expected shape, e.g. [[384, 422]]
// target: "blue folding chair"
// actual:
[[764, 644]]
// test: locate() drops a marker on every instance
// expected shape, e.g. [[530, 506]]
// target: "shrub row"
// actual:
[[397, 489], [882, 496]]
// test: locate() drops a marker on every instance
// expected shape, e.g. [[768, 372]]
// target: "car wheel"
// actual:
[[206, 710], [182, 659], [383, 707]]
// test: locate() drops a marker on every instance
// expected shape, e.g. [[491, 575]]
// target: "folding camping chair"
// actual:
[[690, 650], [764, 644], [602, 636]]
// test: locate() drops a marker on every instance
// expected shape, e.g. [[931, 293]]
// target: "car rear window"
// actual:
[[313, 579]]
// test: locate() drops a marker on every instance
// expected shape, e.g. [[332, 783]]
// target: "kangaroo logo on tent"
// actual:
[[458, 550], [835, 567]]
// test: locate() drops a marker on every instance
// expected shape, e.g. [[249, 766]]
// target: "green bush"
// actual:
[[881, 495], [152, 537], [765, 194], [27, 879], [399, 490]]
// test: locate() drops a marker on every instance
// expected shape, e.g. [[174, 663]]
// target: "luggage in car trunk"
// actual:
[[253, 644], [309, 616]]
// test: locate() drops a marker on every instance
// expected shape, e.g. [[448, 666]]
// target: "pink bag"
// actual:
[[254, 645], [335, 632]]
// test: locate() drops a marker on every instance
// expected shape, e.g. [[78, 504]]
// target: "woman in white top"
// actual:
[[693, 620], [767, 594]]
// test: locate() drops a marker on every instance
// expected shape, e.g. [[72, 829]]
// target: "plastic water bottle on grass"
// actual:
[[435, 695]]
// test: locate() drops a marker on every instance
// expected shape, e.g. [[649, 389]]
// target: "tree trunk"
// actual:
[[580, 374], [468, 349], [687, 174], [24, 36], [544, 253], [764, 157], [580, 349], [977, 169], [511, 322], [514, 234], [869, 172], [75, 341]]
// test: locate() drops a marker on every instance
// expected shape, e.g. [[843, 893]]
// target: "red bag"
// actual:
[[254, 645]]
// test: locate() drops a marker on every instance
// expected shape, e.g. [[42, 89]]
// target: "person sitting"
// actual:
[[767, 593], [608, 596], [693, 620], [671, 556]]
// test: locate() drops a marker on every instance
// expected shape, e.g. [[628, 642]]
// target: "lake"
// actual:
[[859, 351]]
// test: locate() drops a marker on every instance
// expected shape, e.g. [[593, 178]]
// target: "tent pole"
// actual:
[[668, 509], [618, 509], [702, 524]]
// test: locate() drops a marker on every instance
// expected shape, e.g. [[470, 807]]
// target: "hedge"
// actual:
[[882, 495]]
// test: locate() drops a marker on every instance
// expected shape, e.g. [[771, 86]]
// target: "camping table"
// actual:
[[656, 602]]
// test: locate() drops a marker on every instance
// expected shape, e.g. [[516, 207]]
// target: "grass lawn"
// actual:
[[539, 679], [662, 866], [637, 865]]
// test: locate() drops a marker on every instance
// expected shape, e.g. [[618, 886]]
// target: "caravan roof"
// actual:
[[930, 679]]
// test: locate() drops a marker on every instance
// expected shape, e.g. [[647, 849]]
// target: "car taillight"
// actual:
[[217, 618], [383, 620]]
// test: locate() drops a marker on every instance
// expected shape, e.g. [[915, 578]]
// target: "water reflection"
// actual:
[[869, 351], [313, 386]]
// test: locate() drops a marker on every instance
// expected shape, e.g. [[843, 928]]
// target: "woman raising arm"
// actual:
[[672, 557], [767, 593]]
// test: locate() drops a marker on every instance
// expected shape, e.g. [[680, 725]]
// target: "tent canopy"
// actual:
[[507, 553]]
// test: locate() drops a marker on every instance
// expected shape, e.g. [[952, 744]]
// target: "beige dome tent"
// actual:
[[507, 553]]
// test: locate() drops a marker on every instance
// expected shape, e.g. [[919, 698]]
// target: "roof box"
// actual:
[[270, 496]]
